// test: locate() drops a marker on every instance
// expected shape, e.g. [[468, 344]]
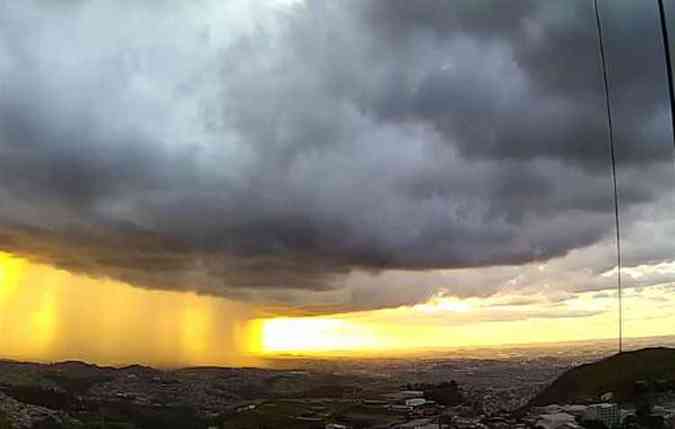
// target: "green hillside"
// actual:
[[617, 374]]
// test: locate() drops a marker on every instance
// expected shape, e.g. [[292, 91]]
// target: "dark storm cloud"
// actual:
[[265, 152], [534, 90]]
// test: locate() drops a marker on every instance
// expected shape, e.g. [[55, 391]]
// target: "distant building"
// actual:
[[246, 408], [411, 394], [604, 412], [550, 409], [575, 410], [556, 421], [418, 424], [400, 408], [668, 415], [402, 395], [415, 402], [374, 402]]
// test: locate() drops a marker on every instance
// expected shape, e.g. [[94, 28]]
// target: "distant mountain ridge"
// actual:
[[617, 374]]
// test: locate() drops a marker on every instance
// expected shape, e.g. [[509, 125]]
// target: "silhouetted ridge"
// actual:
[[617, 374]]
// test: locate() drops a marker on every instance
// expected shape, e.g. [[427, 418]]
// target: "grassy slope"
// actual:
[[615, 374]]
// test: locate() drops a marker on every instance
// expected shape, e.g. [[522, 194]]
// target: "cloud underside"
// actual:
[[288, 154]]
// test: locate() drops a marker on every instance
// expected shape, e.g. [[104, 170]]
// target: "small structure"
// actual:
[[374, 403], [418, 424], [556, 421], [247, 407], [415, 402], [400, 408], [668, 415], [411, 394], [605, 412], [575, 410]]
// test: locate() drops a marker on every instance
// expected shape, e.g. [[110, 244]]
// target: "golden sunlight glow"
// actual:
[[44, 319], [48, 314], [446, 321], [194, 328], [10, 270], [443, 304], [313, 334]]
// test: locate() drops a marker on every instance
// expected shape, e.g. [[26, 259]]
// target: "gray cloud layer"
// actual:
[[256, 150]]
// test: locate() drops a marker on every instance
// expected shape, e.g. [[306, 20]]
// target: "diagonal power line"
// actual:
[[669, 65], [613, 161]]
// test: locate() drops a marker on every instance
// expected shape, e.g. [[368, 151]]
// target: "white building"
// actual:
[[575, 410], [415, 402], [411, 393], [557, 421]]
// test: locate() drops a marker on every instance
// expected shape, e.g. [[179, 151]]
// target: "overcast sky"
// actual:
[[335, 156]]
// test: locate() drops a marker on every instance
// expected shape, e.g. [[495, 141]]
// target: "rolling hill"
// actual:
[[617, 374]]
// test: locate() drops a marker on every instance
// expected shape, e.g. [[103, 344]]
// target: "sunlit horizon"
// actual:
[[47, 314]]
